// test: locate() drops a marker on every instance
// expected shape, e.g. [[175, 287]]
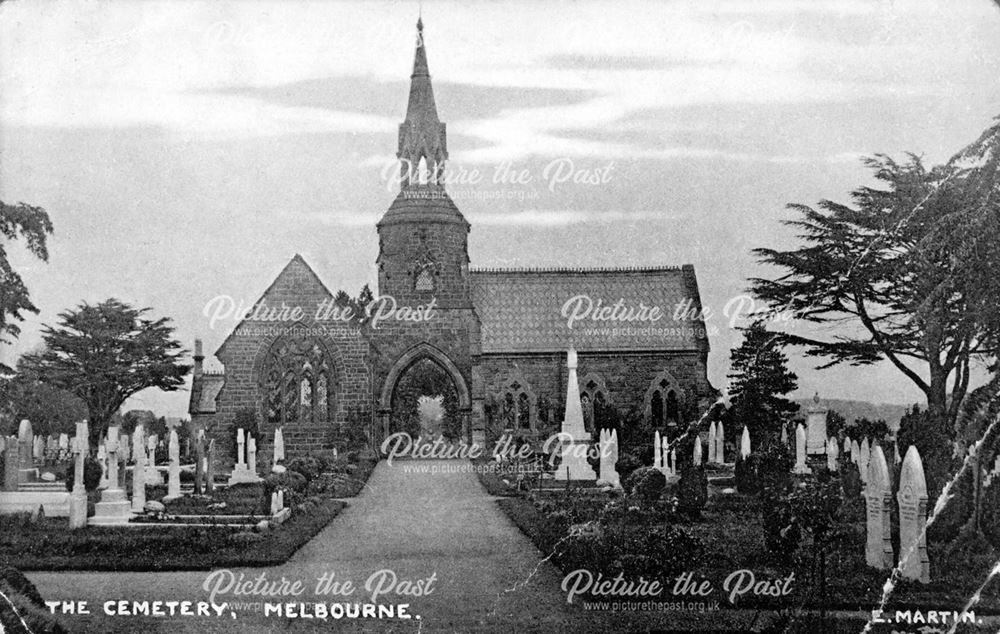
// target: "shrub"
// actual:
[[91, 475], [692, 492], [646, 483], [746, 479], [29, 604], [309, 466], [627, 463], [294, 484], [850, 480]]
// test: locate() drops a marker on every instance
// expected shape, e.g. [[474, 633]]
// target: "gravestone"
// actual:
[[114, 507], [574, 436], [78, 496], [26, 471], [878, 543], [241, 472], [855, 453], [696, 455], [912, 500], [784, 434], [102, 458], [711, 443], [745, 443], [139, 469], [800, 452], [64, 442], [279, 446], [832, 454], [608, 458], [252, 455], [895, 452], [816, 428], [153, 475], [864, 457], [174, 470], [720, 439], [657, 451], [847, 446]]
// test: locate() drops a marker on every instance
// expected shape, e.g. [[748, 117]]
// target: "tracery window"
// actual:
[[663, 401], [594, 400], [297, 381]]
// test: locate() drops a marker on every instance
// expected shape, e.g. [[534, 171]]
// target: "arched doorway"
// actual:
[[421, 374]]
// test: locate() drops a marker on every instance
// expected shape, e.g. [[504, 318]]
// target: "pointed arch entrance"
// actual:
[[411, 360]]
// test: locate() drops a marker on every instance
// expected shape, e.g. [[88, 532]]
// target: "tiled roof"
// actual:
[[522, 310], [204, 390]]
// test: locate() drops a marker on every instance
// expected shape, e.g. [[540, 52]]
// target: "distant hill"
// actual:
[[851, 410]]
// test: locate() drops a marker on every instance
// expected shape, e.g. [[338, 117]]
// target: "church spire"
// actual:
[[423, 146]]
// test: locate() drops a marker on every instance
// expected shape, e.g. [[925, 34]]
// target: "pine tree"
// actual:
[[758, 380]]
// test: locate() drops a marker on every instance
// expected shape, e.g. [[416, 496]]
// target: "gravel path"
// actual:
[[438, 521]]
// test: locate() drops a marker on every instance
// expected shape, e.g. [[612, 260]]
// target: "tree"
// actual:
[[758, 380], [50, 409], [105, 353], [33, 225], [835, 423], [909, 272]]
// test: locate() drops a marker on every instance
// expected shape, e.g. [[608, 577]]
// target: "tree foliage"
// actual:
[[32, 225], [50, 409], [758, 380], [105, 353], [908, 272]]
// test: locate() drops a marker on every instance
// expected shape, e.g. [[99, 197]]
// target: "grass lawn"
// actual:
[[48, 544]]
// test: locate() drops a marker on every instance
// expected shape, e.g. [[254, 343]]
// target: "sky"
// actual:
[[187, 150]]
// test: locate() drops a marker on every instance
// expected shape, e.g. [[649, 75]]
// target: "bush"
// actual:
[[692, 492], [850, 479], [746, 479], [627, 463], [29, 604], [646, 483], [91, 475], [293, 483], [309, 466]]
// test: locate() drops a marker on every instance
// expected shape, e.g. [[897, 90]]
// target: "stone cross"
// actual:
[[720, 439], [912, 500], [102, 458], [78, 496], [832, 453], [252, 455], [240, 442], [745, 443], [696, 457], [111, 447], [878, 545], [800, 451], [864, 457], [174, 473], [711, 442], [139, 469], [657, 451]]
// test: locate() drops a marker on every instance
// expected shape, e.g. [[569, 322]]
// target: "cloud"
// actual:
[[564, 217]]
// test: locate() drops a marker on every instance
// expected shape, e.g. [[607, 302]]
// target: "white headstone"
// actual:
[[745, 443], [847, 446], [78, 496], [240, 443], [279, 445], [673, 460], [832, 454], [856, 453], [864, 457], [912, 500], [252, 454], [711, 443], [878, 545], [64, 442], [114, 507], [657, 451], [174, 471], [102, 458], [816, 427], [800, 451], [608, 458], [696, 455], [720, 439]]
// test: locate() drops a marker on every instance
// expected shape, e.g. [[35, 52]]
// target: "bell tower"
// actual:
[[423, 237]]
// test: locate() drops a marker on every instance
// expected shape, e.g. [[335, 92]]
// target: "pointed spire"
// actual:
[[421, 135]]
